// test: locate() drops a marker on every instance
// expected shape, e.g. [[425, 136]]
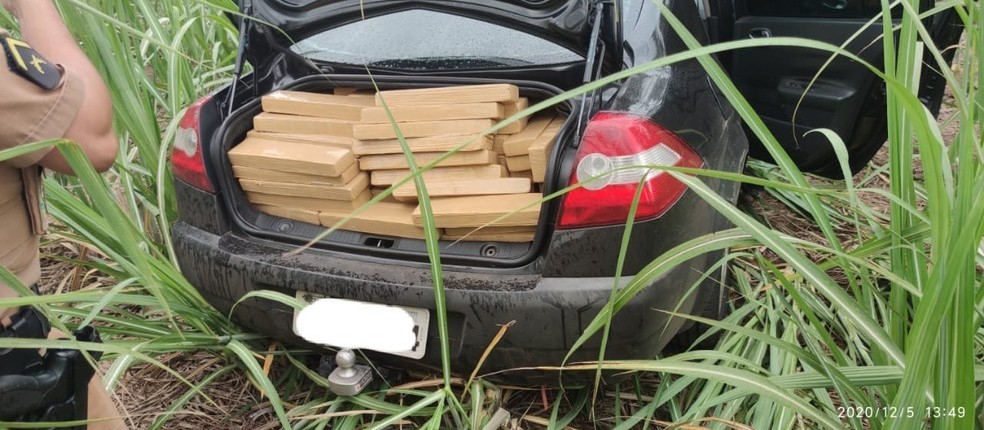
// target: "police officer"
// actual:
[[48, 90]]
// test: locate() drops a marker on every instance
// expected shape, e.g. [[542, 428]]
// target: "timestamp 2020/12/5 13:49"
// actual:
[[900, 412]]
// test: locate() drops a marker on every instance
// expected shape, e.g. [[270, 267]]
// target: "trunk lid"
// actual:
[[280, 24]]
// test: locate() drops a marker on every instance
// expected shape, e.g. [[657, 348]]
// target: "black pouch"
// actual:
[[56, 393]]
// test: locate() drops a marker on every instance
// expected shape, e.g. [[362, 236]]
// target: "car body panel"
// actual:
[[552, 292]]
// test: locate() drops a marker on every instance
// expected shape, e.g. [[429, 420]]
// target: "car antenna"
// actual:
[[590, 70], [241, 52]]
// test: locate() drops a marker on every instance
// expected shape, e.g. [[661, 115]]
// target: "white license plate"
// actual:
[[420, 317]]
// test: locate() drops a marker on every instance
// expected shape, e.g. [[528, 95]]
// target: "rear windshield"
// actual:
[[428, 40]]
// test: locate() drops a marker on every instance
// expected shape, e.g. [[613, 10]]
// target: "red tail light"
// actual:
[[612, 142], [186, 159]]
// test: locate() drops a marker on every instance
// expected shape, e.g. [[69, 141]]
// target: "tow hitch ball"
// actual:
[[348, 379]]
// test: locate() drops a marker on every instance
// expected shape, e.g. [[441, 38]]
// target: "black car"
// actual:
[[553, 286]]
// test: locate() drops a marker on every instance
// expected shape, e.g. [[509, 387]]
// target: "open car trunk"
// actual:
[[277, 199]]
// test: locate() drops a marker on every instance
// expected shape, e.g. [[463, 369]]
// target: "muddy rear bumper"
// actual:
[[550, 313]]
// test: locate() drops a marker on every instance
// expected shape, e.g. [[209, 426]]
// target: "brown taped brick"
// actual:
[[540, 149], [475, 211], [519, 144], [443, 143], [310, 217], [315, 139], [399, 161], [518, 164], [389, 219], [512, 109], [465, 187], [309, 204], [280, 123], [347, 191], [292, 157], [421, 129], [297, 178], [441, 112], [317, 105], [450, 95], [390, 177]]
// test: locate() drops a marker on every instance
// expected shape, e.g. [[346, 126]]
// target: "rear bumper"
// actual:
[[550, 313]]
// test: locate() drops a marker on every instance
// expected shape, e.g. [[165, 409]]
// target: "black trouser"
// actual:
[[49, 388]]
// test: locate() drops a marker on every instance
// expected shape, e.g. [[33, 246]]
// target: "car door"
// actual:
[[847, 97]]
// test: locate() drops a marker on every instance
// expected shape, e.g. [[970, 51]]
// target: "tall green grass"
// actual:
[[909, 318], [917, 330], [903, 331]]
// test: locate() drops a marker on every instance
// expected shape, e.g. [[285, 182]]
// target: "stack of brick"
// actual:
[[434, 121], [528, 150], [466, 188], [297, 161], [312, 157]]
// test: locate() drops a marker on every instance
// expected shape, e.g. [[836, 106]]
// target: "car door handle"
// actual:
[[759, 33]]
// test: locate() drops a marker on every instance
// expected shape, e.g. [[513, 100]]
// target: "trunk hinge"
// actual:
[[592, 69], [244, 22]]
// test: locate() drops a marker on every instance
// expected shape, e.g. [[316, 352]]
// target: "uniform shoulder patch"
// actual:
[[27, 63]]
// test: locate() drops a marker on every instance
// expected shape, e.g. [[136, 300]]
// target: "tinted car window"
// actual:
[[814, 8], [422, 39]]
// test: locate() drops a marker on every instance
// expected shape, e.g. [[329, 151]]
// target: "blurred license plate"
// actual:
[[421, 319]]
